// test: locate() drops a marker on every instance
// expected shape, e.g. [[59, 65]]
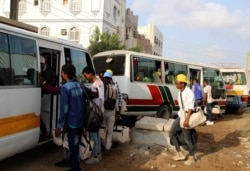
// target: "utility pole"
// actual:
[[14, 9]]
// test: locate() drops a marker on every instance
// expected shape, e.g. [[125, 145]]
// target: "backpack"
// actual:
[[216, 93], [93, 114], [110, 97]]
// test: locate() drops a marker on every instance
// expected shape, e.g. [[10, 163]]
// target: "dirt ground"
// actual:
[[224, 146]]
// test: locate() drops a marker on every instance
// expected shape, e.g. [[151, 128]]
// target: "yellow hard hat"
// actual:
[[182, 78]]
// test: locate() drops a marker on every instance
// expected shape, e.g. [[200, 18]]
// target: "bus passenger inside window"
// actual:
[[157, 76]]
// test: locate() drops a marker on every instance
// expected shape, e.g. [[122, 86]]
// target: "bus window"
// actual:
[[79, 59], [214, 77], [146, 70], [116, 63], [173, 69], [234, 78], [15, 64]]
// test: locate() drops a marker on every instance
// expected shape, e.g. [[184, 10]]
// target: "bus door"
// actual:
[[50, 102], [194, 72]]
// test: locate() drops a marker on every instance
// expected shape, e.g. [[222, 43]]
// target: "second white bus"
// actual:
[[147, 81], [237, 89]]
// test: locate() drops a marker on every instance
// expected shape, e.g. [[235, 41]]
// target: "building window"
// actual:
[[45, 31], [115, 11], [74, 34], [45, 5], [36, 2], [75, 5], [22, 6]]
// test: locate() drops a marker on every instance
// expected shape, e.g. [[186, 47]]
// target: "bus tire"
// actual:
[[164, 112]]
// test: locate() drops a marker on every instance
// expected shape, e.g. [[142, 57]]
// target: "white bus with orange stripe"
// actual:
[[237, 89], [147, 81], [22, 105]]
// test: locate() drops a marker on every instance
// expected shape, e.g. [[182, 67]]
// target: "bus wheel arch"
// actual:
[[164, 111]]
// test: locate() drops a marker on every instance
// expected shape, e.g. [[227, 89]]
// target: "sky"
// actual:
[[206, 31]]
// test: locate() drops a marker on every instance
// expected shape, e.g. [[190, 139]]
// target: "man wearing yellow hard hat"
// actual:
[[186, 103]]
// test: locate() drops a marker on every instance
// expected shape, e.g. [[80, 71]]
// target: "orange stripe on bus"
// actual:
[[15, 124]]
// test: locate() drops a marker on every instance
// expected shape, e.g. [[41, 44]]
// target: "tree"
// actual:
[[137, 48], [104, 42]]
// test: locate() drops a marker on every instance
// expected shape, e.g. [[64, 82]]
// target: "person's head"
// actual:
[[181, 81], [195, 81], [205, 82], [107, 77], [68, 72], [89, 73], [42, 63]]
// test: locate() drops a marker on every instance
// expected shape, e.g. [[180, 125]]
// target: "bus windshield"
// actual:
[[115, 63], [234, 78]]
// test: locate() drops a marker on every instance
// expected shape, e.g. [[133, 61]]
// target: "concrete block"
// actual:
[[168, 125], [151, 123], [147, 137]]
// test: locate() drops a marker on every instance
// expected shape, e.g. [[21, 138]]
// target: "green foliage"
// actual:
[[104, 42], [137, 48]]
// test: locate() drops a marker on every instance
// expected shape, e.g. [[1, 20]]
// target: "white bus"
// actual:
[[147, 81], [237, 89], [22, 105]]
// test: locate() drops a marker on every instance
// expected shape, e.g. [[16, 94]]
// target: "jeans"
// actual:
[[209, 113], [197, 102], [109, 121], [74, 138], [187, 136], [95, 136]]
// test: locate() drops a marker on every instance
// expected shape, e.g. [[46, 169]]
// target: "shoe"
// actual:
[[210, 122], [190, 160], [92, 160], [179, 156], [99, 157], [63, 163]]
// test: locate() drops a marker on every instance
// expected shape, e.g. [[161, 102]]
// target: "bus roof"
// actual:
[[127, 52], [12, 29]]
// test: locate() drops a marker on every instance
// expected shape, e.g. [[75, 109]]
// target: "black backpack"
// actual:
[[93, 114]]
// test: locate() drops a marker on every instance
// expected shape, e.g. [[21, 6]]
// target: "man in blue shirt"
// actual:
[[197, 92], [72, 111]]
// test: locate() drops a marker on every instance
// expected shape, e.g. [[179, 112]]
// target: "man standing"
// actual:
[[207, 100], [97, 91], [72, 108], [197, 92], [186, 103], [109, 113]]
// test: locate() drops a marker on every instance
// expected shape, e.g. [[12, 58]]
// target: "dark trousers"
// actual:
[[74, 138], [187, 136]]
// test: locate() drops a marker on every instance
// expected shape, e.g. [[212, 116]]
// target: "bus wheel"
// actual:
[[164, 112]]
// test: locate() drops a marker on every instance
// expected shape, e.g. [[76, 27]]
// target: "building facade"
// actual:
[[73, 20], [155, 36]]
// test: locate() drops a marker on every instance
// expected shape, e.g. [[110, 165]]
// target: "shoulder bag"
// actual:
[[196, 118]]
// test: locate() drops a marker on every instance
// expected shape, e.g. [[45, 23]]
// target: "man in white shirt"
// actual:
[[207, 100], [186, 103]]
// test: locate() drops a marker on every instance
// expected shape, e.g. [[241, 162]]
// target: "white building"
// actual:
[[155, 36], [74, 20]]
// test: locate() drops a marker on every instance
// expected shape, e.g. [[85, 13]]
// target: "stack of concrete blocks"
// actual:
[[151, 130]]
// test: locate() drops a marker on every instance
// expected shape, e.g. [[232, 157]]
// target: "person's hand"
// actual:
[[57, 132], [186, 123], [41, 79]]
